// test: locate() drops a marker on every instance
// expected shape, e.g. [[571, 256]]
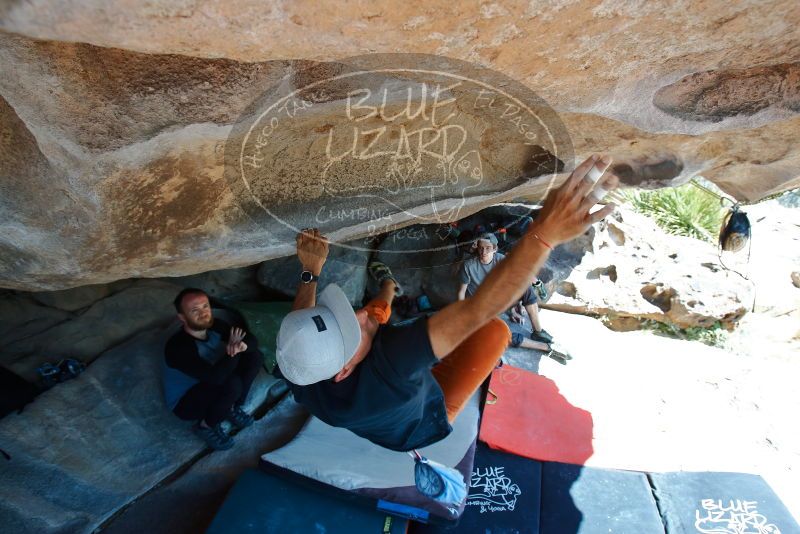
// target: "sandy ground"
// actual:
[[661, 404]]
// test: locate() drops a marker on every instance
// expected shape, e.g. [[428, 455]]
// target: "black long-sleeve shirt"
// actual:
[[185, 367]]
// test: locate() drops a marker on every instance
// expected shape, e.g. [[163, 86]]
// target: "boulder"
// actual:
[[346, 266], [629, 267], [78, 298], [143, 305], [118, 127], [22, 317], [86, 448], [207, 482], [425, 261], [234, 284]]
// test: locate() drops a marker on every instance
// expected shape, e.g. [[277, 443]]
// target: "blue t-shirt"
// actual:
[[391, 398]]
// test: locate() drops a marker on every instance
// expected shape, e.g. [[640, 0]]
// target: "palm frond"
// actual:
[[684, 210]]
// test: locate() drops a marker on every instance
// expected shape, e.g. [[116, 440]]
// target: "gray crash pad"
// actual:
[[87, 447], [720, 503], [587, 500], [340, 462]]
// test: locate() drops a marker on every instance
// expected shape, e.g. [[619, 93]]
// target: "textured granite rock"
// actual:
[[77, 298], [234, 284], [87, 447], [626, 267], [22, 317], [189, 503], [146, 304], [115, 124], [346, 266], [424, 260]]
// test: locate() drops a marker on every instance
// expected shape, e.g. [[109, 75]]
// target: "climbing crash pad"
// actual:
[[260, 502], [526, 415], [504, 497], [338, 461], [586, 500], [720, 503]]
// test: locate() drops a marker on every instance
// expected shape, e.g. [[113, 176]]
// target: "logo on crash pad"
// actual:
[[383, 140], [733, 516], [491, 490]]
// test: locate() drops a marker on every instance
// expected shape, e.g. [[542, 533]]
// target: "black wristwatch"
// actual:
[[307, 277]]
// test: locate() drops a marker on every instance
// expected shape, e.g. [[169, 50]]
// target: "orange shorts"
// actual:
[[461, 372]]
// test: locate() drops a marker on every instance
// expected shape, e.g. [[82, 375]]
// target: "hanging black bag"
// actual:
[[735, 231]]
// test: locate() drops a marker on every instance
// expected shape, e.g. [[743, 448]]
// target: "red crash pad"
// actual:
[[526, 415]]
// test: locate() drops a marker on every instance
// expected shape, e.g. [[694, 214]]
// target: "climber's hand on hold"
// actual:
[[566, 211], [312, 250]]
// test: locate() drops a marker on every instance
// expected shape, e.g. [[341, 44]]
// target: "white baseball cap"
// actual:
[[315, 343]]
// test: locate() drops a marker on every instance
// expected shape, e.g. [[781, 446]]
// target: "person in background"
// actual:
[[473, 272], [209, 368]]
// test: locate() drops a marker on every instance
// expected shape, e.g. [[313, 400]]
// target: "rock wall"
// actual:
[[117, 124], [631, 270]]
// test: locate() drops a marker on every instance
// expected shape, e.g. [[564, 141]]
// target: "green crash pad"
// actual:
[[263, 320]]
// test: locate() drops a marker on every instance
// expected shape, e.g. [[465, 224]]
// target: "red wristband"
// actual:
[[545, 243]]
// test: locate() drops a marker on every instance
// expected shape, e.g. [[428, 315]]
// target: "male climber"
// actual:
[[401, 386]]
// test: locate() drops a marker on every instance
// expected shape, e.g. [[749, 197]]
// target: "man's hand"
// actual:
[[565, 214], [517, 314], [312, 250], [235, 343]]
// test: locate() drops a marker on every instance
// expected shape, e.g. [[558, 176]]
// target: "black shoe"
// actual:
[[214, 437], [542, 336], [240, 418]]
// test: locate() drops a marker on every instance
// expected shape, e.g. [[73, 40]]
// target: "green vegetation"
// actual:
[[685, 210], [716, 336]]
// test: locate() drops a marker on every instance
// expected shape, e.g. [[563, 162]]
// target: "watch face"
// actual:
[[306, 276]]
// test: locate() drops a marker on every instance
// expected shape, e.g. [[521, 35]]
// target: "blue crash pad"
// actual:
[[720, 503], [263, 503], [584, 500], [504, 496]]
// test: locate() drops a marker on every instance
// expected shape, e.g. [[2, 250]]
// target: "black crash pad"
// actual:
[[263, 503], [504, 496], [720, 503], [584, 500]]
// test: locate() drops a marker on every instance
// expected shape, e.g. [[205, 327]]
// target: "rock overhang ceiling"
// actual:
[[117, 124]]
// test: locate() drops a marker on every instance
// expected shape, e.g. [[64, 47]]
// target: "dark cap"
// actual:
[[488, 236]]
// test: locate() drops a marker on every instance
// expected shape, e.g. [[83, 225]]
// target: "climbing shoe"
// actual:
[[214, 437], [240, 418], [559, 354], [380, 272], [542, 335], [541, 290]]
